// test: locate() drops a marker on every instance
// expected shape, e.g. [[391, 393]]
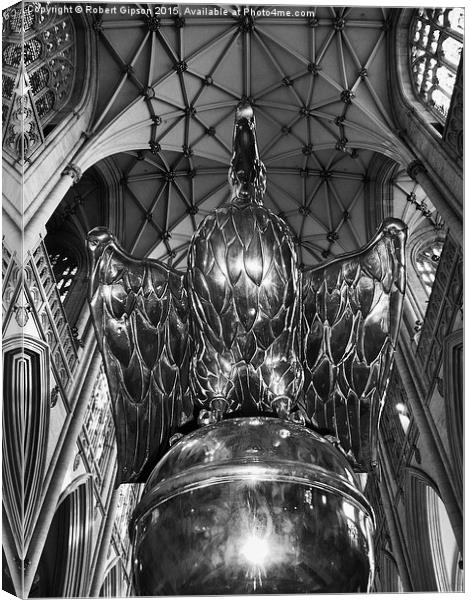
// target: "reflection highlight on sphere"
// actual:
[[266, 513]]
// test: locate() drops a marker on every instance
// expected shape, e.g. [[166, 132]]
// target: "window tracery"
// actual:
[[436, 41], [97, 437], [403, 416], [39, 58], [426, 260], [65, 268]]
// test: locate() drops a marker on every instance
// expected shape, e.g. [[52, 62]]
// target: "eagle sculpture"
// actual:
[[245, 331]]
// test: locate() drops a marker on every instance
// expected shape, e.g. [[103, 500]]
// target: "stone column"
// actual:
[[431, 446], [395, 535], [35, 223], [87, 377], [98, 576]]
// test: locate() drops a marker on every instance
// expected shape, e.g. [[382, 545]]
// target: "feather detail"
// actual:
[[139, 310], [351, 312]]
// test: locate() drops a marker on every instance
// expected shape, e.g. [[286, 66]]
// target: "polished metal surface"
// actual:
[[140, 314], [244, 331], [247, 173], [244, 294], [351, 313], [253, 505]]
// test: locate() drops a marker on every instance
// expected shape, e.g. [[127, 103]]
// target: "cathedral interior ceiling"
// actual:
[[166, 96]]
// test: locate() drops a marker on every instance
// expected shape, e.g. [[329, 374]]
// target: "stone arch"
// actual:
[[66, 232], [63, 569], [429, 534], [453, 398], [26, 409]]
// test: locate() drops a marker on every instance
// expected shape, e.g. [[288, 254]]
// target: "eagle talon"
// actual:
[[297, 417], [281, 407], [218, 408], [205, 417]]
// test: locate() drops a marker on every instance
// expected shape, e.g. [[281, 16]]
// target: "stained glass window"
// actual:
[[436, 47]]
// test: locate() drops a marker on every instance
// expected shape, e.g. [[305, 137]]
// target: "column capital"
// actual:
[[414, 168], [73, 171]]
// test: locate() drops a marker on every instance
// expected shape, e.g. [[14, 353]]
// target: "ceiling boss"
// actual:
[[272, 380]]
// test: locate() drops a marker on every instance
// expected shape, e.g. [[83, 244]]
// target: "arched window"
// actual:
[[69, 265], [39, 66], [65, 267], [129, 495], [403, 415], [99, 426], [83, 207], [436, 41], [395, 422], [426, 260]]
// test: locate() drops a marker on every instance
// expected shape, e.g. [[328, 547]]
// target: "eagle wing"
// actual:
[[351, 313], [140, 314]]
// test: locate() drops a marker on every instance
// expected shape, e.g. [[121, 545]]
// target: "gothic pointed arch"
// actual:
[[435, 551], [112, 584], [388, 572], [83, 207], [63, 569], [26, 408], [453, 376]]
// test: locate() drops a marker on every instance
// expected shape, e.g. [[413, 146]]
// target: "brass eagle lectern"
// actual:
[[272, 382]]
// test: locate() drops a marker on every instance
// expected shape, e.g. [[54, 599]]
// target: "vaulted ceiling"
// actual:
[[168, 87]]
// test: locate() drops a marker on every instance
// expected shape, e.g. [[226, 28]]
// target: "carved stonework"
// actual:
[[453, 133], [39, 65], [55, 395], [414, 168], [76, 461], [22, 314], [11, 286], [55, 329], [23, 132], [73, 171], [444, 302], [26, 423]]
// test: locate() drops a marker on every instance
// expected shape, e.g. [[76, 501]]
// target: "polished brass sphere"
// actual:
[[252, 505]]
